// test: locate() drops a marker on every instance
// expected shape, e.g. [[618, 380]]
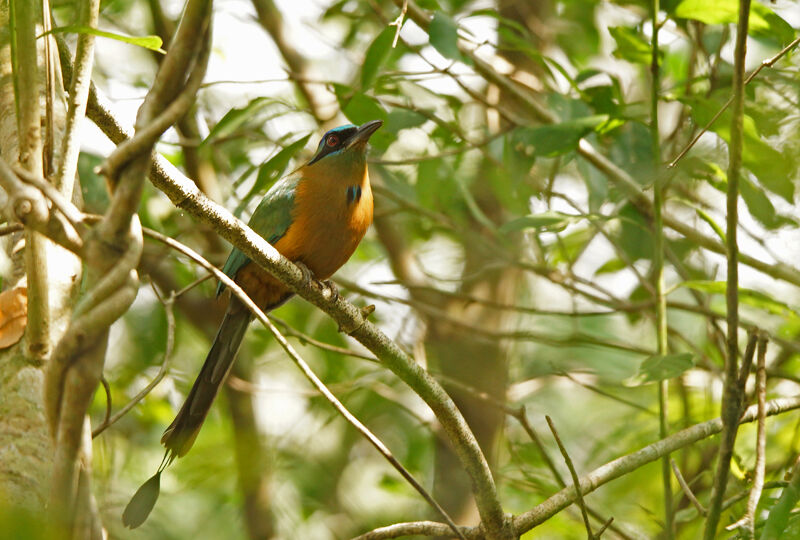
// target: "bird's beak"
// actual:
[[364, 132]]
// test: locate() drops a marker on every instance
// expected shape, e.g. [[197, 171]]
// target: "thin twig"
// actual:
[[747, 522], [605, 526], [162, 371], [193, 284], [686, 489], [10, 228], [575, 480], [107, 389], [398, 22], [70, 212], [306, 339]]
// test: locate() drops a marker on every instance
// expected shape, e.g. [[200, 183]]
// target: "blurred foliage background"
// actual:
[[501, 257]]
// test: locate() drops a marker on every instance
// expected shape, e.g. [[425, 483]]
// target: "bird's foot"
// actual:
[[330, 290], [308, 275]]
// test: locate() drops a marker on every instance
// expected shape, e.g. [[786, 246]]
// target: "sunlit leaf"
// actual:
[[614, 265], [152, 43], [572, 244], [546, 221], [631, 45], [763, 23]]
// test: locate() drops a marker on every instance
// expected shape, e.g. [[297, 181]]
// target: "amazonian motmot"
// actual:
[[314, 217]]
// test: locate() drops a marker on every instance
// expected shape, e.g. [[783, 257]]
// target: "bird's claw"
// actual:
[[308, 275], [331, 288]]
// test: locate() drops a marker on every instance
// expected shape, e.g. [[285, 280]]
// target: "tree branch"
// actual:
[[111, 251], [732, 393], [26, 88], [598, 477], [78, 96], [185, 195]]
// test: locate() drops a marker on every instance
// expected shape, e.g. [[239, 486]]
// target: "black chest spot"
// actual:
[[353, 194]]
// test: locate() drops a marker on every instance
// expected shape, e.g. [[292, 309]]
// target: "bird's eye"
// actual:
[[333, 140]]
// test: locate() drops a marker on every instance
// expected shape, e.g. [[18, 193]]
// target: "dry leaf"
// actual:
[[13, 315]]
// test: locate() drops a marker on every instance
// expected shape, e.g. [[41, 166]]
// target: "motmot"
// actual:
[[315, 217]]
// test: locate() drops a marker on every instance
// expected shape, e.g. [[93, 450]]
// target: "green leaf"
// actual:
[[661, 367], [631, 46], [758, 204], [236, 118], [274, 168], [777, 521], [633, 236], [152, 43], [764, 23], [750, 297], [361, 108], [614, 265], [376, 56], [555, 139], [443, 32], [398, 119], [546, 221], [572, 244], [596, 184], [142, 502]]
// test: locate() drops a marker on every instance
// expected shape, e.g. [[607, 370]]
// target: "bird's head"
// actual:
[[345, 143]]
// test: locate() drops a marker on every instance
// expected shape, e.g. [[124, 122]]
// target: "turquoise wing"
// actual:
[[271, 220]]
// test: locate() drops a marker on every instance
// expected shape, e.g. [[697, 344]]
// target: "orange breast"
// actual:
[[324, 233]]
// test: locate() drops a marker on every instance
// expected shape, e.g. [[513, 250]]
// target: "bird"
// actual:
[[315, 217]]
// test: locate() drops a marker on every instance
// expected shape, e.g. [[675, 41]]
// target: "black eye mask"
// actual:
[[342, 134]]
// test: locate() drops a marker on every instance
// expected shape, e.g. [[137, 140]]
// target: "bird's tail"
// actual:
[[180, 435]]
